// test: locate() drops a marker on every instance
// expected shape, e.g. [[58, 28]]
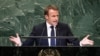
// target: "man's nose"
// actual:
[[56, 17]]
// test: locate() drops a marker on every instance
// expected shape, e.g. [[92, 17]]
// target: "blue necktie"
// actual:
[[52, 35]]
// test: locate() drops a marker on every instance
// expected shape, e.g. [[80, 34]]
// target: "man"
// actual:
[[51, 27]]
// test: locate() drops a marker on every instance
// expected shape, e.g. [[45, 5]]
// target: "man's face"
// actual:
[[52, 17]]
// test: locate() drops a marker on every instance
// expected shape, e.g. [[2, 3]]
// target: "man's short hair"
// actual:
[[54, 7]]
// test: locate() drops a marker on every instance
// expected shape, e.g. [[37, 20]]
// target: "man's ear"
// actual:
[[46, 17]]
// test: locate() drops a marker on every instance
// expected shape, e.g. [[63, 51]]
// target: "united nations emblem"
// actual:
[[49, 52]]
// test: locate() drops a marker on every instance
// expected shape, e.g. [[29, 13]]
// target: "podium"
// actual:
[[42, 49], [42, 41], [68, 50]]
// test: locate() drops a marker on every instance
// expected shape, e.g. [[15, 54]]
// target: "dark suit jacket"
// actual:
[[41, 30]]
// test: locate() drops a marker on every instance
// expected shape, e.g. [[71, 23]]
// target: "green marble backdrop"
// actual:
[[19, 16]]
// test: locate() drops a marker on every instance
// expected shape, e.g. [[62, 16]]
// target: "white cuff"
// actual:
[[80, 44]]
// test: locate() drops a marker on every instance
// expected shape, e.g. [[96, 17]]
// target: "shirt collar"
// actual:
[[48, 25]]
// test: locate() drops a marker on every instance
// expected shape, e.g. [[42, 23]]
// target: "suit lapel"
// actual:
[[44, 29], [45, 33], [58, 30]]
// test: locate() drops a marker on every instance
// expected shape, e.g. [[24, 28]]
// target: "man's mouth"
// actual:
[[55, 21]]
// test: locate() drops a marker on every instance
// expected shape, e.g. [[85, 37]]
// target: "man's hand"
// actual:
[[85, 41], [16, 40]]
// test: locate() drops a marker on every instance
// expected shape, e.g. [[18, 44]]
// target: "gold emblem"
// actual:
[[49, 52]]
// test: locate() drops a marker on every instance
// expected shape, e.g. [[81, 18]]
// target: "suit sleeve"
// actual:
[[30, 41], [72, 40]]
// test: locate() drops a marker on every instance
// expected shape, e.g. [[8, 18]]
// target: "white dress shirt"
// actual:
[[49, 33]]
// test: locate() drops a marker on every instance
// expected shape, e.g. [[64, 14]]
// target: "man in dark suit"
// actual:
[[41, 30], [51, 28]]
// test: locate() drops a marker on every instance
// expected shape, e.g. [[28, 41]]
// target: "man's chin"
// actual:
[[54, 24]]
